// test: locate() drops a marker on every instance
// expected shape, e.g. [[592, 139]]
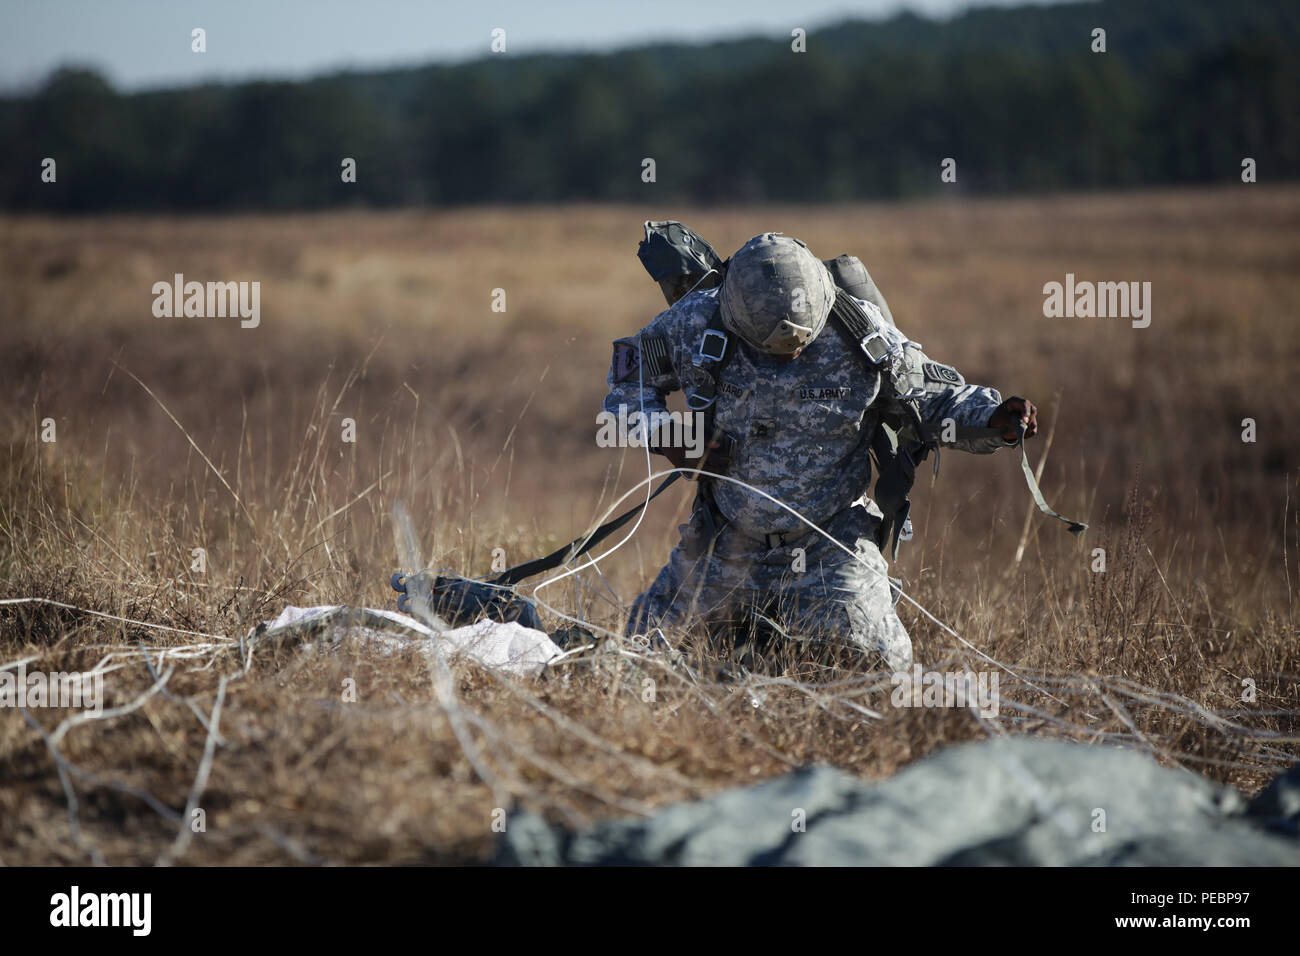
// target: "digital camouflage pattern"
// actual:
[[803, 431], [834, 599]]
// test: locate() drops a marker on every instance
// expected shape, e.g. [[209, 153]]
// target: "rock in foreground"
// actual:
[[1009, 801]]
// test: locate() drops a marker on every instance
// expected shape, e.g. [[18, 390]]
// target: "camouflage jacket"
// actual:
[[803, 428]]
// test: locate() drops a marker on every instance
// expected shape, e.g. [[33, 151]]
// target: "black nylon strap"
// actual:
[[579, 545], [851, 317], [584, 543], [714, 371], [712, 368]]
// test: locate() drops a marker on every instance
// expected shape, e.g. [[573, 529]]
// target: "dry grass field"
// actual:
[[174, 434]]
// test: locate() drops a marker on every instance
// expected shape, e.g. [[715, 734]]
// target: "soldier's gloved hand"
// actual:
[[1013, 410]]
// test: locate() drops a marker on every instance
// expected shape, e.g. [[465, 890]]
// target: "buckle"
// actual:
[[697, 404], [876, 347], [703, 354]]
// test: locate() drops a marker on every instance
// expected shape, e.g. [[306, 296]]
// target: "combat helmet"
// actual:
[[776, 294]]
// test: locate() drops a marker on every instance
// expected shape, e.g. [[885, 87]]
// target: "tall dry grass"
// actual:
[[179, 434]]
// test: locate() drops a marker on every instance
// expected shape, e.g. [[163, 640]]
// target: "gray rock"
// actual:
[[1278, 804], [1011, 801]]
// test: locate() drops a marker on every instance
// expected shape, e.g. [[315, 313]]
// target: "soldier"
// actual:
[[798, 412]]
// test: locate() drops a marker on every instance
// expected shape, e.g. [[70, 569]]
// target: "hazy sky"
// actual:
[[146, 43]]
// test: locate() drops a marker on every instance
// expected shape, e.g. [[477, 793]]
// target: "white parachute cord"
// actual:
[[112, 617], [651, 476], [593, 562], [647, 481], [814, 527]]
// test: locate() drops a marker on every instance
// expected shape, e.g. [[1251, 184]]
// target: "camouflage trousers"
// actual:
[[823, 595]]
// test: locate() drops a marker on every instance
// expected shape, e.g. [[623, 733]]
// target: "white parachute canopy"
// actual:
[[507, 647]]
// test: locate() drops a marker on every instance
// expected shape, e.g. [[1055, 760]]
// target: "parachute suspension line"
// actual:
[[813, 526], [652, 476], [595, 562]]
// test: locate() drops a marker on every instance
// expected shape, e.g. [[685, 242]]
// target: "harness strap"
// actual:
[[901, 427], [716, 350], [712, 355], [1076, 528], [895, 474], [859, 327], [579, 545]]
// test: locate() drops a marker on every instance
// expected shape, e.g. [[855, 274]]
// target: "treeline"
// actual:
[[1185, 90]]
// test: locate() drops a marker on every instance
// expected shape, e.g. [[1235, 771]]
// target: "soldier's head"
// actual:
[[776, 295]]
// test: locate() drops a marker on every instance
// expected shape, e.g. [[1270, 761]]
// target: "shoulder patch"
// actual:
[[652, 353], [627, 358], [944, 374]]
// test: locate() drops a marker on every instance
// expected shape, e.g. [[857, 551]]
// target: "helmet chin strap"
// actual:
[[768, 353], [787, 338]]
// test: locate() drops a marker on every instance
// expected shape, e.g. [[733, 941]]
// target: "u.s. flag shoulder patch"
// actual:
[[654, 353]]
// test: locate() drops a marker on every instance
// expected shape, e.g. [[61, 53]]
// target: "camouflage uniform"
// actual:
[[803, 430]]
